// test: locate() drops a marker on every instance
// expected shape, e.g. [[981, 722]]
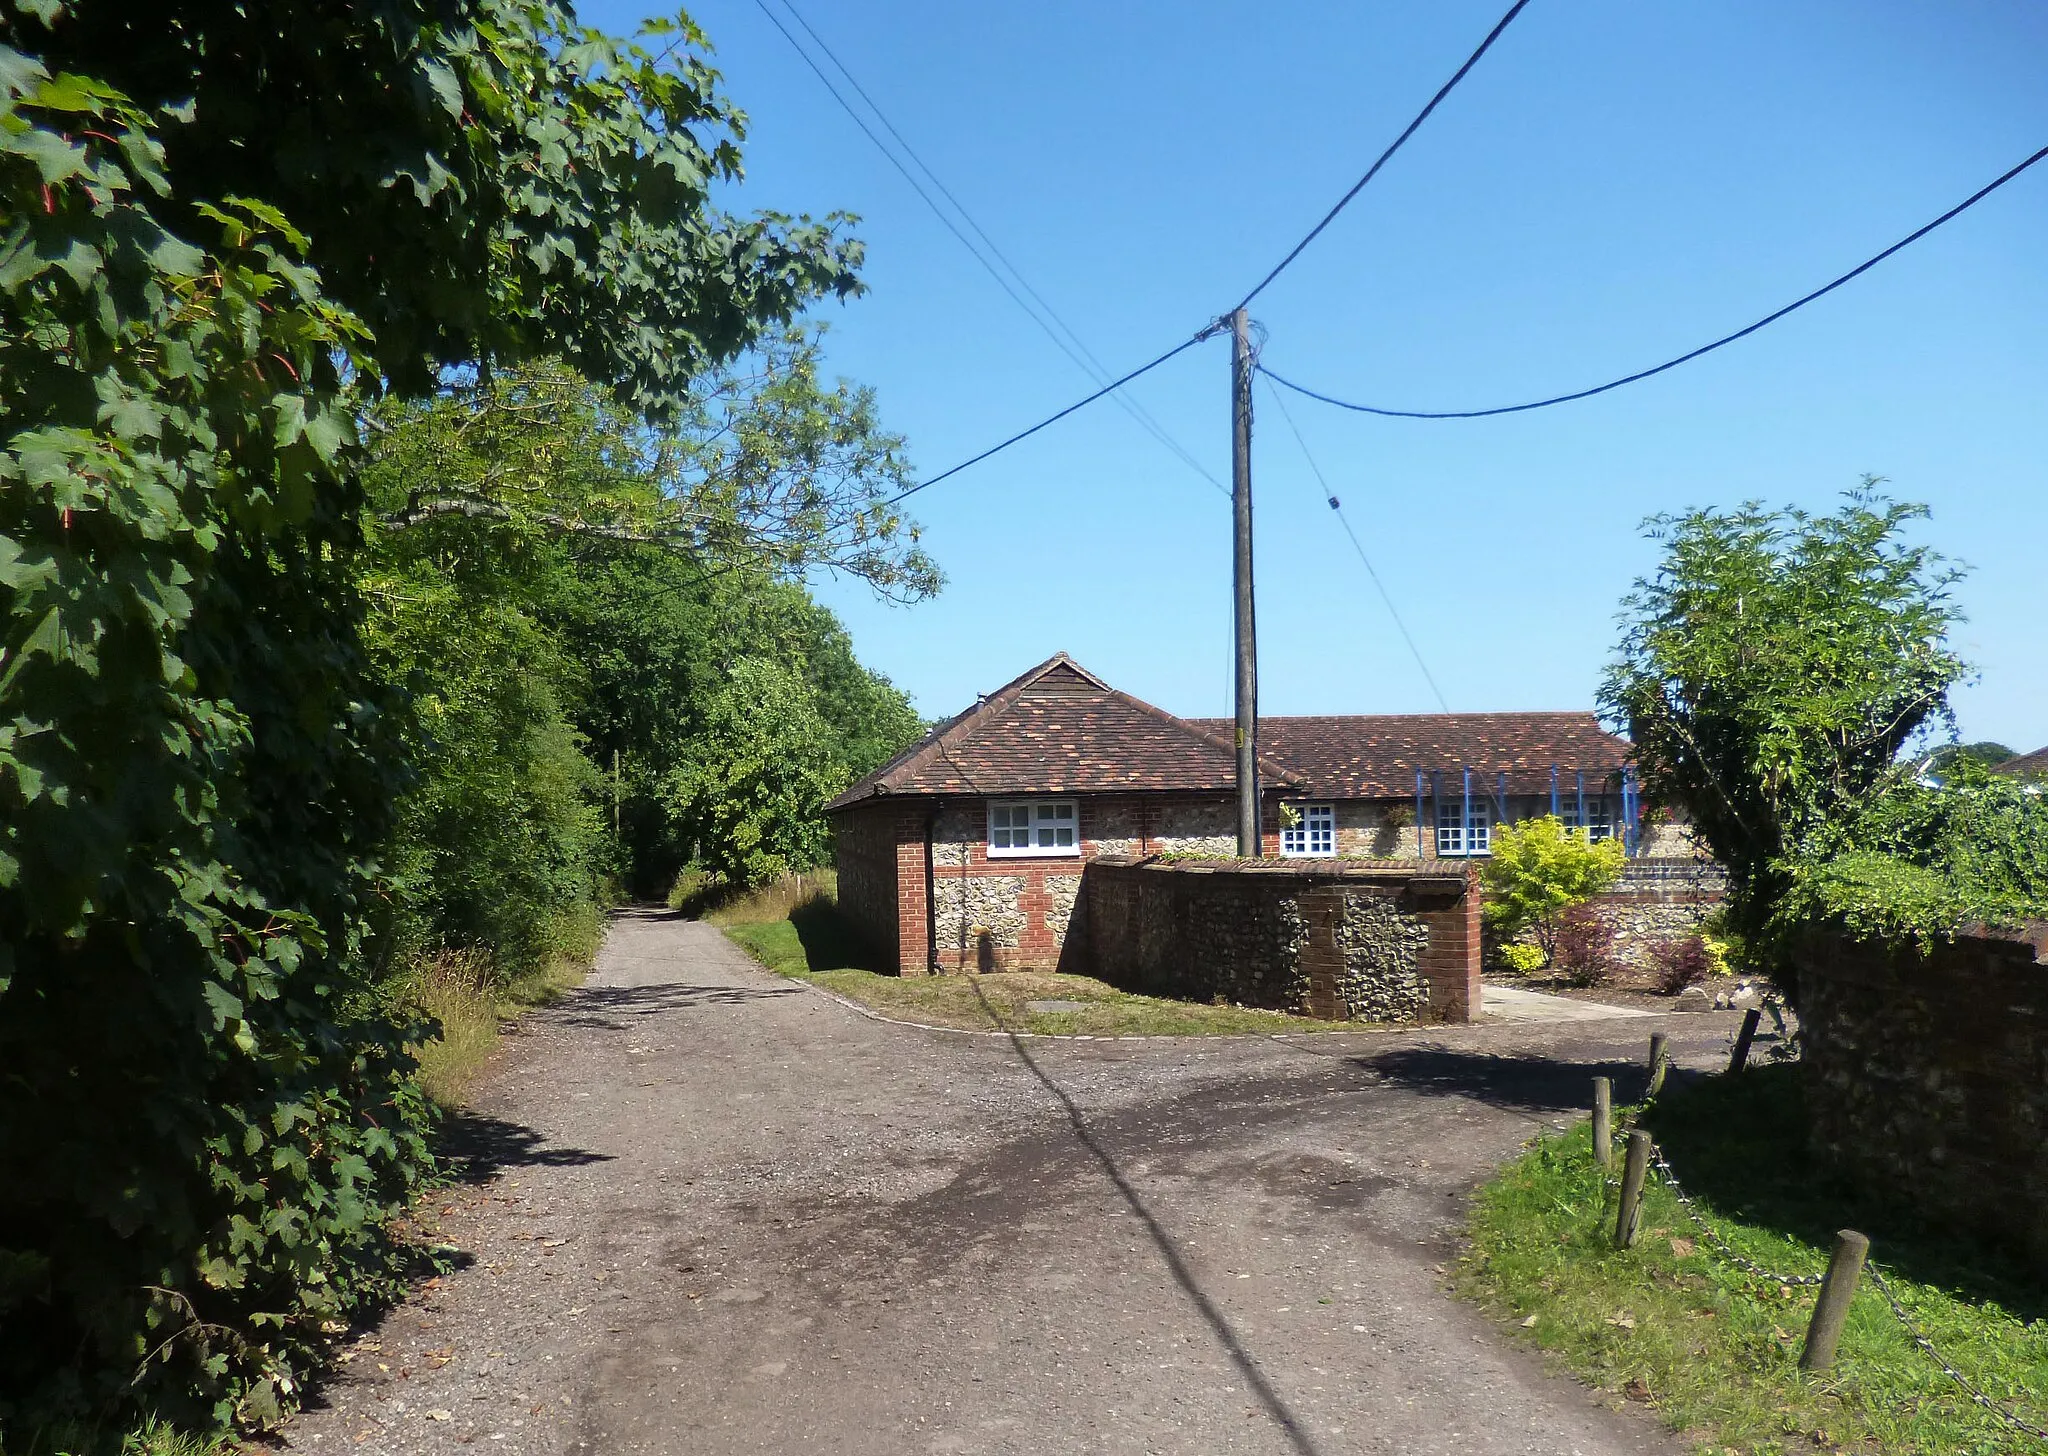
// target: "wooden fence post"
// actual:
[[1744, 1037], [1660, 1061], [1831, 1310], [1603, 1122], [1629, 1217]]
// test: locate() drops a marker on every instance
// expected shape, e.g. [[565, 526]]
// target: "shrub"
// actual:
[[1539, 869], [1583, 947], [1683, 960], [1521, 957]]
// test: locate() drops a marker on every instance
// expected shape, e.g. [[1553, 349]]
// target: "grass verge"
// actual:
[[1673, 1324], [463, 992], [800, 934]]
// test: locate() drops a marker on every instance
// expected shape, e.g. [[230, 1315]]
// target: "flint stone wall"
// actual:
[[1927, 1075], [1388, 942]]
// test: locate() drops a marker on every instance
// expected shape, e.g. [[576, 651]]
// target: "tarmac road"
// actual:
[[709, 1210]]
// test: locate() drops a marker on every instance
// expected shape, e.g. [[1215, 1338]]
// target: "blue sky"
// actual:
[[1614, 184]]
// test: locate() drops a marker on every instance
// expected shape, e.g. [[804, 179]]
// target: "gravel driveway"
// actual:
[[712, 1211]]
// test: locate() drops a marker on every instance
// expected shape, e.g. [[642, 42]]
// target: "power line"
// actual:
[[1084, 359], [1114, 384], [1338, 508], [1967, 203], [1398, 142]]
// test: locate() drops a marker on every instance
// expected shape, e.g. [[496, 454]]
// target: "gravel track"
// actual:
[[710, 1211]]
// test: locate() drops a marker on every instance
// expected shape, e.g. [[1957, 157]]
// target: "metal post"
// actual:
[[1831, 1310], [1603, 1121], [1248, 841]]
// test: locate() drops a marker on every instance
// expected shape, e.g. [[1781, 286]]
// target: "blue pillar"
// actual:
[[1436, 808], [1500, 800], [1586, 828], [1633, 841], [1553, 791], [1418, 815], [1465, 844]]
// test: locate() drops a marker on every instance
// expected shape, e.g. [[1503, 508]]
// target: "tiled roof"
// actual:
[[2028, 765], [1377, 757], [1059, 729]]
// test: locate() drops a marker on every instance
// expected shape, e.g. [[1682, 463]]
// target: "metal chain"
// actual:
[[1899, 1311], [1720, 1244]]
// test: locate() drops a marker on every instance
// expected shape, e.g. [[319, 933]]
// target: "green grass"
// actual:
[[1715, 1350], [809, 941]]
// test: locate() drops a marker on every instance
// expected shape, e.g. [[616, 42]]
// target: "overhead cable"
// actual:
[[1084, 359], [1967, 203], [1398, 142], [1337, 507], [1114, 384]]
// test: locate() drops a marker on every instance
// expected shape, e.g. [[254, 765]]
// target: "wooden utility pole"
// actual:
[[1246, 625]]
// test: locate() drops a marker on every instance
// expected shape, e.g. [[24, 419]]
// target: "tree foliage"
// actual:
[[222, 229], [1538, 870], [752, 791], [1771, 671]]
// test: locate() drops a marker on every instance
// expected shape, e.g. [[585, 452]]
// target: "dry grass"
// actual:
[[462, 991], [777, 900]]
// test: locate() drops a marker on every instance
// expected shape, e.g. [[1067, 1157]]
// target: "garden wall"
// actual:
[[1386, 942], [1928, 1075]]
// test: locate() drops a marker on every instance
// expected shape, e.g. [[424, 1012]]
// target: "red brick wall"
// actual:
[[879, 850]]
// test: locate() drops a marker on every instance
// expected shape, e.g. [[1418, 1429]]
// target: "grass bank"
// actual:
[[464, 992], [795, 929], [1673, 1324]]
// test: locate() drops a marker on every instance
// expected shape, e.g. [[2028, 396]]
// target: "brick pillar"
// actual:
[[913, 945], [1322, 911], [1449, 905]]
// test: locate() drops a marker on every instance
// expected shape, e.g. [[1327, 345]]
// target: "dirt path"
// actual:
[[711, 1211]]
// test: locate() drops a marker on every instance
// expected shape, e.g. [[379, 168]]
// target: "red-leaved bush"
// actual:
[[1583, 946], [1681, 961]]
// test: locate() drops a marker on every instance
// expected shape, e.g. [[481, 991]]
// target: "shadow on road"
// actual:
[[477, 1148], [1525, 1082], [1255, 1378], [606, 1008]]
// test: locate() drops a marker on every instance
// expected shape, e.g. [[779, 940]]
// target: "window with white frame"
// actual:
[[1312, 835], [1018, 827], [1451, 841], [1596, 821]]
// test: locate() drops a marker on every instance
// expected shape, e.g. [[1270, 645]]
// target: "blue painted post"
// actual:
[[1630, 806], [1436, 807], [1500, 800], [1582, 805], [1465, 844], [1553, 791], [1418, 815]]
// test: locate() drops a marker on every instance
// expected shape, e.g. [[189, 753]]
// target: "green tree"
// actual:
[[752, 792], [208, 261], [1770, 673], [1538, 870]]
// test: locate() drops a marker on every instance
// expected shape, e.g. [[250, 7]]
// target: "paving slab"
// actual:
[[1515, 1003]]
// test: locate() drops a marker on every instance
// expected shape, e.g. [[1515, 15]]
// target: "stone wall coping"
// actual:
[[1441, 873]]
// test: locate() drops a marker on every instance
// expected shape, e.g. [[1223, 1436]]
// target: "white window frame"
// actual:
[[1041, 827], [1313, 835], [1450, 829], [1600, 823]]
